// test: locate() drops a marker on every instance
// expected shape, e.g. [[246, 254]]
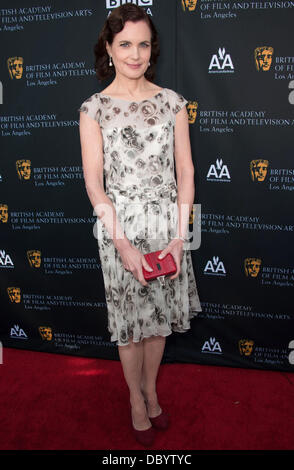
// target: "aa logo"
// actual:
[[263, 57], [5, 260], [218, 172], [17, 332], [189, 5], [246, 347], [15, 67], [221, 62], [3, 213], [252, 266], [215, 266], [192, 107], [23, 168], [34, 257], [258, 169], [211, 346]]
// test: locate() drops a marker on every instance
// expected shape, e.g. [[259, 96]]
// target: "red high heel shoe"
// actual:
[[144, 437], [161, 421]]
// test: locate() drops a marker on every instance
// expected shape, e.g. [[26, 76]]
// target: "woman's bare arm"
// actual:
[[184, 171]]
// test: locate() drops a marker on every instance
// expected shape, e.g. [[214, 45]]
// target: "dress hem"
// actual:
[[173, 330]]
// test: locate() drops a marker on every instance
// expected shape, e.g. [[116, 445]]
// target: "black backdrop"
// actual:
[[241, 129]]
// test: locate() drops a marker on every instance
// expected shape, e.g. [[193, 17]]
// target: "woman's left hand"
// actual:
[[175, 247]]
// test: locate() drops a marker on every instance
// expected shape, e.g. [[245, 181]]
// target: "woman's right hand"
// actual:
[[133, 260]]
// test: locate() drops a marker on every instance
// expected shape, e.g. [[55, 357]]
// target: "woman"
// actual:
[[130, 133]]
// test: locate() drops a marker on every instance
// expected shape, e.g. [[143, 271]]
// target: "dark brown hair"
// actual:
[[113, 25]]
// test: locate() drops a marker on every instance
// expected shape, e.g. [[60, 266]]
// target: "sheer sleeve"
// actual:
[[90, 107]]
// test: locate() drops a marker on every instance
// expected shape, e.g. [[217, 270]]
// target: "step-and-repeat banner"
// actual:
[[234, 63]]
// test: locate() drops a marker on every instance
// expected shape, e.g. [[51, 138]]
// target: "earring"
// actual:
[[149, 64], [110, 62]]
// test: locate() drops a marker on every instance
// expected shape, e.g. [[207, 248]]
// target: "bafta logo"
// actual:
[[246, 347], [45, 332], [3, 213], [190, 5], [192, 215], [34, 257], [192, 111], [258, 169], [23, 168], [15, 67], [263, 57], [252, 266], [14, 294]]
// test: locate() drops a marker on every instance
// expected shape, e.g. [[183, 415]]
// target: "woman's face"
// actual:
[[131, 49]]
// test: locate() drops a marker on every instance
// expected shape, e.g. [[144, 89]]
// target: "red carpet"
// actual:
[[57, 402]]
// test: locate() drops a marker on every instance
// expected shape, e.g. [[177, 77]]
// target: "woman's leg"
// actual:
[[131, 357], [153, 352]]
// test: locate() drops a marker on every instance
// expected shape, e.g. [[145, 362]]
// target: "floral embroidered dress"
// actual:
[[139, 173]]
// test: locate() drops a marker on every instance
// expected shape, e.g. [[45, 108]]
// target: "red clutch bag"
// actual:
[[161, 267]]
